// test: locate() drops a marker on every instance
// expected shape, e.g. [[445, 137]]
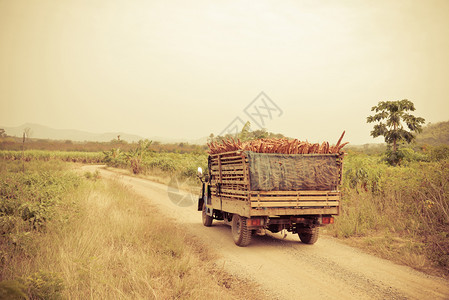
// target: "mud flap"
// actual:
[[200, 203]]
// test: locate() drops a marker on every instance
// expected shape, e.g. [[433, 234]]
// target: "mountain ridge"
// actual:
[[45, 132]]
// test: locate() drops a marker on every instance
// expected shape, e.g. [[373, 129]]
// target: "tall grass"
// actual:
[[29, 202], [123, 248], [149, 162], [15, 143], [401, 213], [44, 155], [105, 242]]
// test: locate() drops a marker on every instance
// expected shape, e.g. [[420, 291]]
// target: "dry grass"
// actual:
[[400, 213], [115, 245], [191, 184]]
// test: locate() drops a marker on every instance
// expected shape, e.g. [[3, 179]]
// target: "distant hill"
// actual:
[[434, 134], [165, 140], [43, 132]]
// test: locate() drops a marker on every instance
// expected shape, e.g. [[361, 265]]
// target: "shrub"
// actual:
[[43, 285], [28, 200], [439, 153], [12, 289], [410, 201]]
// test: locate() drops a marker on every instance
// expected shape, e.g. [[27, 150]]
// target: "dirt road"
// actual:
[[288, 269]]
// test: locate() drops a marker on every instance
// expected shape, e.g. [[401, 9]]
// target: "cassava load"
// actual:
[[273, 145]]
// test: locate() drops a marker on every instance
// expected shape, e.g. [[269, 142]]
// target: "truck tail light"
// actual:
[[327, 220], [254, 222]]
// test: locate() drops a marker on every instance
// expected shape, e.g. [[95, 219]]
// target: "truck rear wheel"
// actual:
[[240, 232], [310, 236], [207, 220]]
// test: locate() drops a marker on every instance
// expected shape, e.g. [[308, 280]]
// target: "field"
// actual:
[[72, 235], [45, 155], [399, 213]]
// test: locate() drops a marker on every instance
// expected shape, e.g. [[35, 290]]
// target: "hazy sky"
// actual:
[[186, 69]]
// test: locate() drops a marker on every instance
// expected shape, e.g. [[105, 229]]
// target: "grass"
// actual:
[[44, 155], [398, 213], [105, 242], [405, 209], [16, 143]]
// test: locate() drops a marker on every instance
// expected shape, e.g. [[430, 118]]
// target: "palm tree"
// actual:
[[395, 123]]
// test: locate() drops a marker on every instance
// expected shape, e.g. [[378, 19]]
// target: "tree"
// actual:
[[137, 156], [211, 138], [26, 134], [395, 124], [245, 133]]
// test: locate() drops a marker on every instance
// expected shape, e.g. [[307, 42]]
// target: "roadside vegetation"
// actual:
[[44, 155], [15, 144], [397, 212], [65, 235]]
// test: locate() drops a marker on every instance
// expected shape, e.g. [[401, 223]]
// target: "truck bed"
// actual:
[[234, 191]]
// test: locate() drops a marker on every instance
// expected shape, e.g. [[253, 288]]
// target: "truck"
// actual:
[[254, 192]]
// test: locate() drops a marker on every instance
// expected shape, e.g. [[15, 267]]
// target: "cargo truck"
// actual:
[[254, 192]]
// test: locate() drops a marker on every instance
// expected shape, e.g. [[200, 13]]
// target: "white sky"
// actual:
[[185, 69]]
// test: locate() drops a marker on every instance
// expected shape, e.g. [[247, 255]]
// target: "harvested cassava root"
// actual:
[[284, 146]]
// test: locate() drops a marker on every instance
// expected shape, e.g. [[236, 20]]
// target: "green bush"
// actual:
[[43, 155], [144, 160], [411, 200], [439, 153], [28, 200]]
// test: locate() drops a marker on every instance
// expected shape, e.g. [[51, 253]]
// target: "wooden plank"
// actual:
[[219, 168], [330, 193], [270, 211], [232, 191], [226, 162], [227, 153], [239, 172], [233, 196], [229, 166], [241, 191], [228, 159], [246, 173], [295, 204], [300, 198], [245, 170], [228, 182], [228, 187], [226, 168], [232, 157], [231, 175], [234, 178]]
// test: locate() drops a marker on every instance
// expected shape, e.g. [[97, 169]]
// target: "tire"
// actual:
[[240, 232], [207, 220], [310, 236]]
